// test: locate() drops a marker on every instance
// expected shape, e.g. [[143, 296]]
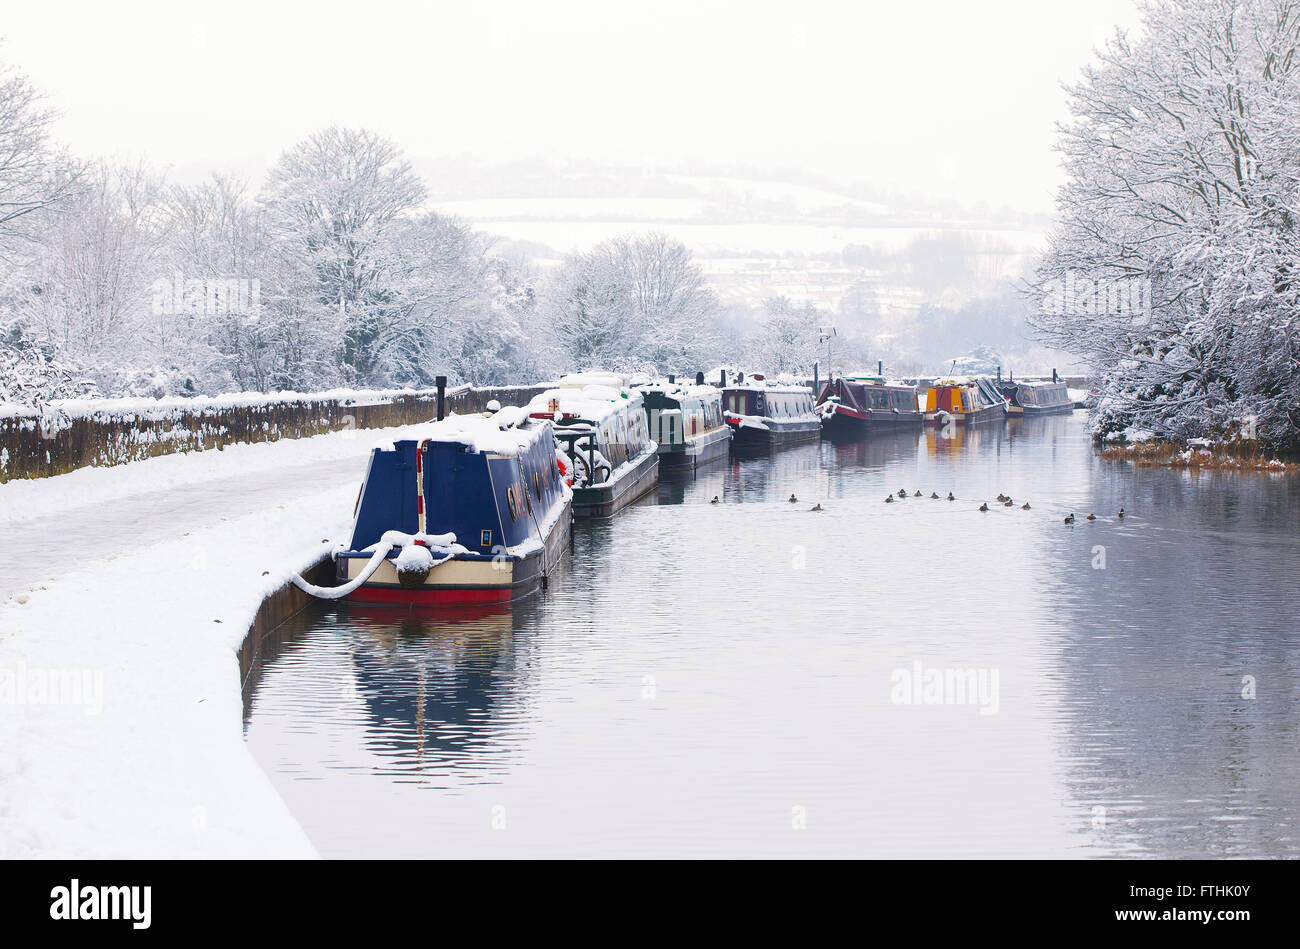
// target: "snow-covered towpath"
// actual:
[[124, 593]]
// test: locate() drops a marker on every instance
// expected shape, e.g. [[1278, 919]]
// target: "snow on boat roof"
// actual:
[[506, 432], [877, 380], [735, 372], [593, 377], [769, 386], [594, 402], [680, 390]]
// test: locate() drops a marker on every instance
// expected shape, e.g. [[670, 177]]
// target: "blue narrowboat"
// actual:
[[475, 512]]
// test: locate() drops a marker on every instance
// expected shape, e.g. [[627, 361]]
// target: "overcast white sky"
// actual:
[[954, 99]]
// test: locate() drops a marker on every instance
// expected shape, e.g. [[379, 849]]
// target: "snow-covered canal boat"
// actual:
[[972, 401], [686, 422], [851, 407], [600, 429], [476, 511], [1037, 398], [766, 416]]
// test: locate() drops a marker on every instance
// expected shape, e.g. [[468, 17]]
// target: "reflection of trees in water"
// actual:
[[1048, 437], [1153, 651], [436, 685]]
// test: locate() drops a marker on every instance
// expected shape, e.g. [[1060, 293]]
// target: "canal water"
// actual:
[[733, 679]]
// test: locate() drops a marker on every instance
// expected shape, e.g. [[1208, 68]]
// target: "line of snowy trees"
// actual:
[[332, 273], [1173, 269]]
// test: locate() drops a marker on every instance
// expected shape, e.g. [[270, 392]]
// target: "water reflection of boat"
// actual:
[[701, 484], [851, 407], [432, 682], [955, 439], [972, 401], [882, 448]]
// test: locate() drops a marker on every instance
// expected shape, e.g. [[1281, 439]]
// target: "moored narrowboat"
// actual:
[[766, 416], [687, 424], [1037, 398], [852, 406], [603, 441], [971, 401], [474, 512]]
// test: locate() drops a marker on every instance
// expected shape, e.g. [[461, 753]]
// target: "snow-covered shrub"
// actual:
[[30, 377]]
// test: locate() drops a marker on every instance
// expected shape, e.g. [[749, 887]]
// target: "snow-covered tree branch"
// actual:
[[1172, 269]]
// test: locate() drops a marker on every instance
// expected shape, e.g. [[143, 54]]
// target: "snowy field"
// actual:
[[120, 732], [740, 239]]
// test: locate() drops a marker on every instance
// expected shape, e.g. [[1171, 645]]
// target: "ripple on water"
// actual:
[[718, 679]]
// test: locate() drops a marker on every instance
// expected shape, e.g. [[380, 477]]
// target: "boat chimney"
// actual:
[[441, 383], [672, 379], [1053, 375], [722, 384], [699, 378], [740, 378], [999, 374], [880, 367], [816, 382]]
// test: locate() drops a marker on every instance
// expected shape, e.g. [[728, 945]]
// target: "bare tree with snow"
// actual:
[[1173, 267], [35, 176], [334, 203], [634, 300]]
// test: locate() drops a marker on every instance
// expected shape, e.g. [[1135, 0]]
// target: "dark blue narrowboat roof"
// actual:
[[490, 496]]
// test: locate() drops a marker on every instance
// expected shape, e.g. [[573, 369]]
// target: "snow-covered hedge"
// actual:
[[65, 434]]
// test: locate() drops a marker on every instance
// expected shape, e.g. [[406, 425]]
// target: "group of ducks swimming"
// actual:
[[1005, 500], [1069, 518], [902, 493], [889, 498]]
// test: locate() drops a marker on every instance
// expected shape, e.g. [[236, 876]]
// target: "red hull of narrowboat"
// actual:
[[400, 596]]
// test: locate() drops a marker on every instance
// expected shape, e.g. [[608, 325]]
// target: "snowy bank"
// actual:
[[120, 699]]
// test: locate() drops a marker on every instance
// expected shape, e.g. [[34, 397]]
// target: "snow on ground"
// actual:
[[36, 498], [120, 705]]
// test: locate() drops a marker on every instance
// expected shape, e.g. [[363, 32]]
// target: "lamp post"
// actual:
[[824, 335]]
